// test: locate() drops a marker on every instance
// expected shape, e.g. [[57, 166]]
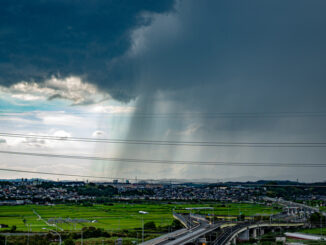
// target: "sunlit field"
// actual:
[[111, 218]]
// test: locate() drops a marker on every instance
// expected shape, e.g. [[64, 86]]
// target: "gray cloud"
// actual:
[[230, 56], [227, 49], [41, 39], [233, 51]]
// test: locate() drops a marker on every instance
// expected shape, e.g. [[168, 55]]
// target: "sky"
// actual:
[[191, 71]]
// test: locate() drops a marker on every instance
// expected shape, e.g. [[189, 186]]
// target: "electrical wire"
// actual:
[[160, 180], [170, 162], [139, 114], [168, 142]]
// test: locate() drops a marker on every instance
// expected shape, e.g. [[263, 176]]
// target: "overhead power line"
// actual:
[[139, 114], [157, 180], [61, 174], [171, 162], [73, 175], [168, 142]]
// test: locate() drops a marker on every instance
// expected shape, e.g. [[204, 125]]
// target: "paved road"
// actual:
[[199, 228], [227, 233], [165, 237], [188, 236], [193, 234]]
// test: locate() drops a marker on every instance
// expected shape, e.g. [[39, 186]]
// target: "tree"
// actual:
[[69, 241], [2, 240], [150, 225], [316, 218], [242, 217], [176, 224], [91, 231], [13, 229]]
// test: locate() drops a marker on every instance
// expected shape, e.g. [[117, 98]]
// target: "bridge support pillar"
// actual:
[[202, 240], [234, 241], [254, 233], [244, 236], [262, 231]]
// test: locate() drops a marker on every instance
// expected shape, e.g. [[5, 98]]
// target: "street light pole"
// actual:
[[142, 218]]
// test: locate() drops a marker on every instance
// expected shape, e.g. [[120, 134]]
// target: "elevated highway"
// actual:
[[230, 234], [193, 235], [224, 233], [197, 227]]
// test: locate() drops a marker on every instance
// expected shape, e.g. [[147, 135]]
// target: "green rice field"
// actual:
[[315, 231], [116, 217]]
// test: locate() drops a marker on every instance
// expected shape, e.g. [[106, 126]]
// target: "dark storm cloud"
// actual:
[[231, 56], [43, 38], [268, 51], [206, 54]]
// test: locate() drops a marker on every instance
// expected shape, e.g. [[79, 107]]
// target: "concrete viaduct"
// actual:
[[246, 231]]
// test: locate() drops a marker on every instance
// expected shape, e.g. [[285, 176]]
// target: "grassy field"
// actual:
[[117, 217], [306, 242], [316, 231]]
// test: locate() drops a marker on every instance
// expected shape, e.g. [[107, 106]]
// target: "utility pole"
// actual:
[[321, 224], [28, 234], [81, 243], [142, 234]]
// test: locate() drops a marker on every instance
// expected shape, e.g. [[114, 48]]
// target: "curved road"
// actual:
[[183, 236]]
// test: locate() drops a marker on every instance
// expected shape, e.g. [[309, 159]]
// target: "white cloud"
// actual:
[[113, 109], [61, 133], [98, 133], [50, 118], [16, 119], [69, 88], [35, 142], [28, 97]]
